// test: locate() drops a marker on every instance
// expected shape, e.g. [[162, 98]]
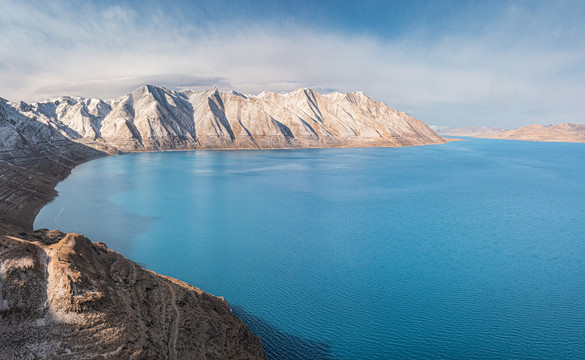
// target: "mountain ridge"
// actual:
[[156, 118]]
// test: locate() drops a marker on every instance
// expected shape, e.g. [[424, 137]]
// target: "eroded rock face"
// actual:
[[62, 296]]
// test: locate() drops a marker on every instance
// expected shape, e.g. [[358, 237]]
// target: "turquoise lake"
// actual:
[[470, 250]]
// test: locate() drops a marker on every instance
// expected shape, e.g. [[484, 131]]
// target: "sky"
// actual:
[[454, 63]]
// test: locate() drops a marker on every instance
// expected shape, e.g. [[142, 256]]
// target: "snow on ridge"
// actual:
[[153, 117]]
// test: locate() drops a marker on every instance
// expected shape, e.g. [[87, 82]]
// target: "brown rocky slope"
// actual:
[[66, 297]]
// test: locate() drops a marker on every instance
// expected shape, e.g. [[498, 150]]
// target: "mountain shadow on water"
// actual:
[[279, 345]]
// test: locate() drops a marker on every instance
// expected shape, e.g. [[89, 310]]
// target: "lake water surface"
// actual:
[[469, 250]]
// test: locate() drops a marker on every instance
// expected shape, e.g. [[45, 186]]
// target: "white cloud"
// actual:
[[500, 76]]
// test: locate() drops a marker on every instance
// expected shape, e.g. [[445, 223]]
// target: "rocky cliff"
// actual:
[[64, 297]]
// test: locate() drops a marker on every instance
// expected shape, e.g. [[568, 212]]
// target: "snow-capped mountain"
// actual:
[[155, 118]]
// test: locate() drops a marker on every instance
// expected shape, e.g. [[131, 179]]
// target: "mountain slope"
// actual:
[[155, 118], [64, 297]]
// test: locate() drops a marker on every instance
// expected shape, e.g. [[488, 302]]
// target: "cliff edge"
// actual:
[[66, 297]]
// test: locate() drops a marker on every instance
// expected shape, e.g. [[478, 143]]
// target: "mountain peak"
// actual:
[[154, 117]]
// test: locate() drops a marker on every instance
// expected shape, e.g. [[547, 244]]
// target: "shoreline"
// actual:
[[35, 205], [27, 192]]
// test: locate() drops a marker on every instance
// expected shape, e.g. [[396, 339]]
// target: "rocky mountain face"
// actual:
[[64, 297], [535, 132], [155, 118]]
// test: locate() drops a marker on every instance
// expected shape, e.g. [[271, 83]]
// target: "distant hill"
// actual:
[[535, 132], [470, 131]]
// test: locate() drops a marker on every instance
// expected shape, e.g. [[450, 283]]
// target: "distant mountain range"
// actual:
[[535, 132]]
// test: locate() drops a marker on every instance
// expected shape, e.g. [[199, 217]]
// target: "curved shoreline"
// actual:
[[36, 205], [26, 191]]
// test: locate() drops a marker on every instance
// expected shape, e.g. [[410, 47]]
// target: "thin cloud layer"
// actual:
[[524, 65]]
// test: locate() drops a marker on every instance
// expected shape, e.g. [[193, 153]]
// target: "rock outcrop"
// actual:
[[64, 297], [535, 132]]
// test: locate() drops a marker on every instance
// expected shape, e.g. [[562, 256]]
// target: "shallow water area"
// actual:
[[472, 249]]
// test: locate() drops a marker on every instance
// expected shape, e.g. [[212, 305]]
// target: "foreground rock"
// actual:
[[536, 132], [66, 297]]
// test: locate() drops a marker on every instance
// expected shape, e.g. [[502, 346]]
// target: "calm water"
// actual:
[[469, 250]]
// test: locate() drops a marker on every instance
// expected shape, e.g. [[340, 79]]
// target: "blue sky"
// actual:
[[456, 63]]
